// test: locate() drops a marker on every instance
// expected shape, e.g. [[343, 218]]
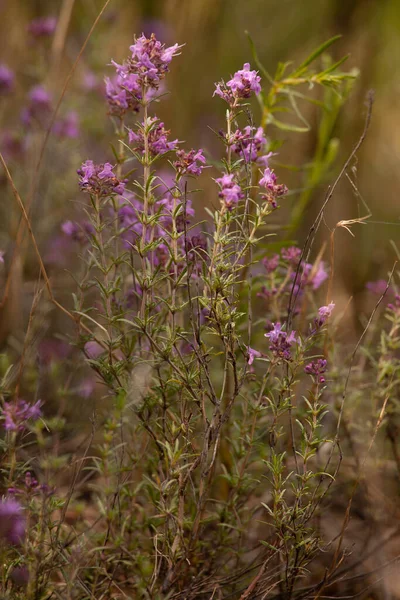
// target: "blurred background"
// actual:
[[41, 54]]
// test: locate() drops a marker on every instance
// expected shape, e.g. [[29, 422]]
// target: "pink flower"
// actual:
[[190, 162], [12, 521], [93, 349], [281, 341], [325, 311], [17, 413], [244, 82], [251, 355], [242, 85], [157, 138], [230, 192], [274, 190]]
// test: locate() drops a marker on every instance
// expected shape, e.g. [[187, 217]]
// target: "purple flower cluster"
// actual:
[[230, 192], [123, 94], [312, 276], [271, 264], [157, 138], [309, 274], [30, 487], [13, 144], [68, 126], [6, 80], [324, 313], [12, 521], [17, 413], [378, 287], [42, 27], [317, 369], [248, 143], [131, 208], [99, 180], [78, 232], [39, 106], [146, 68], [165, 206], [274, 190], [281, 341], [242, 85], [150, 60], [292, 255], [189, 162]]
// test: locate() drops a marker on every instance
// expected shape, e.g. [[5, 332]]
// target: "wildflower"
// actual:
[[93, 349], [274, 190], [39, 106], [230, 192], [317, 369], [271, 264], [128, 217], [67, 127], [78, 232], [39, 96], [281, 341], [264, 159], [266, 294], [86, 388], [6, 80], [378, 287], [30, 487], [244, 82], [308, 275], [251, 355], [189, 162], [166, 206], [42, 27], [123, 93], [319, 276], [394, 306], [292, 255], [323, 315], [325, 311], [151, 59], [99, 179], [157, 138], [12, 521], [90, 82], [197, 249], [146, 68], [248, 143], [242, 85], [13, 144], [17, 413]]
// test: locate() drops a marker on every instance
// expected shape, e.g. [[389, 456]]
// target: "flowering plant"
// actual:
[[211, 451]]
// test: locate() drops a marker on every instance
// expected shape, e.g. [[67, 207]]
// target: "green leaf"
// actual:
[[333, 67], [287, 126], [318, 52]]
